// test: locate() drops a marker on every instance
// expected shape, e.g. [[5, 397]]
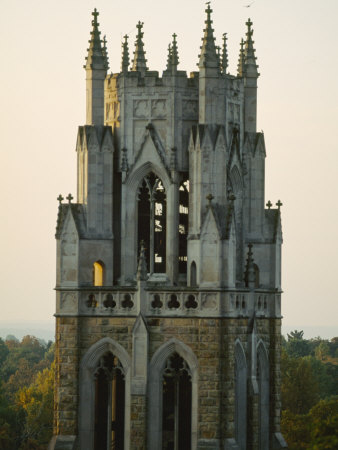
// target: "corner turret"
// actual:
[[96, 69]]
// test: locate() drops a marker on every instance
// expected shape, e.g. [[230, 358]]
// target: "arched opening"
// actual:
[[263, 398], [183, 225], [240, 397], [193, 275], [176, 413], [109, 404], [98, 273], [152, 216]]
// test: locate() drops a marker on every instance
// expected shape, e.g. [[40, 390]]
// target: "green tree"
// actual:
[[300, 389], [296, 430], [324, 425], [3, 351], [37, 402], [297, 346]]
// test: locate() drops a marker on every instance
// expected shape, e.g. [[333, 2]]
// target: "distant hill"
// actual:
[[40, 329], [45, 329]]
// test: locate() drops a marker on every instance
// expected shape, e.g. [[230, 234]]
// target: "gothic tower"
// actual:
[[168, 291]]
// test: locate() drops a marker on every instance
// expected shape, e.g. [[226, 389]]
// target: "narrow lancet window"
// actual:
[[183, 225], [98, 273], [263, 398], [176, 414], [109, 404], [240, 397], [152, 222]]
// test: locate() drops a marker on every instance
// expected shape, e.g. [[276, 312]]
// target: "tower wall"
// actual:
[[168, 294]]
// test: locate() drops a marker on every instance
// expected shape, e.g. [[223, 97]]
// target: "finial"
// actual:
[[142, 265], [279, 204], [95, 14], [208, 56], [125, 55], [69, 198], [250, 270], [210, 198], [240, 65], [224, 54], [139, 63], [250, 65], [60, 199], [269, 204]]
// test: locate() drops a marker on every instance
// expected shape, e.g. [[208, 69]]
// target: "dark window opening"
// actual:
[[109, 404], [176, 417], [183, 226], [152, 216], [193, 275]]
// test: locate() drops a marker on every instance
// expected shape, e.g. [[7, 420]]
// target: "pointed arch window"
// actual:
[[109, 404], [183, 225], [176, 414], [152, 214]]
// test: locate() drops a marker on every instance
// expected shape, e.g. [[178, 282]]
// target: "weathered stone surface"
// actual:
[[216, 300]]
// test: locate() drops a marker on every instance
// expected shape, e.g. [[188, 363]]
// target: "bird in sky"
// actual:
[[248, 6]]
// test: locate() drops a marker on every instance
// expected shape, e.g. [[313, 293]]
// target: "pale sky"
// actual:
[[43, 47]]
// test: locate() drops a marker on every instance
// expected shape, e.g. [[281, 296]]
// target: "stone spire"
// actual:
[[97, 55], [208, 56], [140, 62], [224, 54], [250, 65], [240, 65], [250, 271], [125, 55]]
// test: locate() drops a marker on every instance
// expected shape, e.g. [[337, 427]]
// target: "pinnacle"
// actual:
[[250, 270], [97, 54], [125, 55], [224, 54], [172, 61], [250, 66], [169, 57], [139, 63], [208, 56], [240, 66]]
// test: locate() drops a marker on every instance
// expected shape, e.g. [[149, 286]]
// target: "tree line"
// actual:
[[309, 392]]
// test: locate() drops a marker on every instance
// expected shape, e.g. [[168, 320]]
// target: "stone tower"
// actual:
[[168, 291]]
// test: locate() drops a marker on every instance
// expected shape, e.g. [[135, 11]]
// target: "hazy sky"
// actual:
[[43, 45]]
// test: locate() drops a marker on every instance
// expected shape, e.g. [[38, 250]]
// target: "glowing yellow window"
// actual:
[[98, 272]]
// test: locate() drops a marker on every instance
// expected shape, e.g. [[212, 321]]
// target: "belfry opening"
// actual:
[[152, 222]]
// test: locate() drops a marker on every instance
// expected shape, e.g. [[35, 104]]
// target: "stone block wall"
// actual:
[[211, 340]]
